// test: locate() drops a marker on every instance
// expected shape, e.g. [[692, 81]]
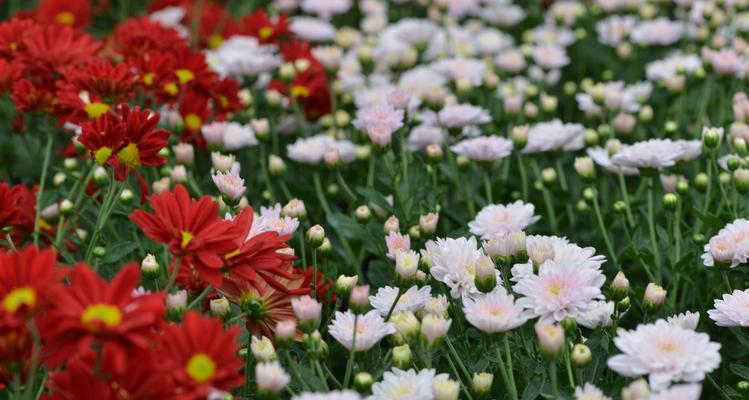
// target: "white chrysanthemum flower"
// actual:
[[370, 328], [484, 148], [459, 68], [241, 56], [590, 392], [421, 81], [502, 13], [325, 8], [312, 29], [332, 395], [413, 31], [396, 242], [687, 391], [404, 385], [311, 150], [550, 56], [597, 317], [411, 300], [461, 115], [423, 135], [654, 153], [510, 60], [270, 219], [659, 32], [499, 219], [686, 320], [544, 248], [230, 184], [666, 353], [732, 309], [729, 246], [560, 290], [491, 41], [554, 135], [271, 377], [379, 115], [601, 157], [671, 66], [615, 29], [495, 313], [453, 262], [237, 136]]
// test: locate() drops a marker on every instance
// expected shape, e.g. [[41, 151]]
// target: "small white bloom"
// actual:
[[370, 328], [498, 219], [732, 309]]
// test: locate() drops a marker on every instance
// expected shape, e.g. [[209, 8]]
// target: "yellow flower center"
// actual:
[[106, 314], [200, 368], [129, 156], [299, 91], [668, 347], [193, 122], [171, 89], [265, 32], [215, 41], [96, 109], [223, 101], [232, 254], [184, 75], [13, 46], [554, 290], [65, 18], [186, 238], [22, 296], [148, 78], [102, 155]]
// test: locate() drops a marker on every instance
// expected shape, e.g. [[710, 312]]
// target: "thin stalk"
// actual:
[[568, 365], [553, 376], [295, 370], [346, 189], [625, 196], [512, 391], [565, 188], [42, 182], [200, 297], [651, 227], [173, 275], [726, 282], [523, 176], [320, 194], [510, 369], [352, 354], [602, 227], [462, 366], [115, 188], [392, 306], [488, 188]]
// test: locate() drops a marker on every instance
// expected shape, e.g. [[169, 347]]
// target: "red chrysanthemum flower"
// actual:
[[14, 211], [142, 380], [310, 89], [193, 231], [201, 356], [29, 280], [31, 97], [224, 94], [258, 258], [93, 312], [10, 72], [195, 112], [265, 305], [125, 140], [141, 36], [51, 48], [215, 25], [76, 13], [260, 25], [12, 33]]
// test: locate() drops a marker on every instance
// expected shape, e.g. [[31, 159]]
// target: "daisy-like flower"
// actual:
[[496, 312], [192, 230], [411, 300], [332, 395], [271, 377], [424, 135], [554, 135], [560, 290], [730, 246], [370, 329], [312, 29], [397, 242], [29, 280], [550, 56], [230, 184], [92, 312], [325, 8], [498, 219], [732, 309], [598, 316], [196, 364], [686, 320], [453, 262], [379, 115], [406, 385], [654, 153], [458, 116], [312, 150], [270, 219], [666, 353], [687, 391], [657, 32], [590, 392], [484, 148], [468, 69], [602, 157], [615, 28], [671, 66]]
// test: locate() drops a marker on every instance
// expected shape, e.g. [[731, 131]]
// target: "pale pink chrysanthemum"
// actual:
[[653, 153], [379, 115], [461, 115], [396, 242], [484, 148], [325, 8], [589, 392], [411, 300], [666, 353], [499, 219], [729, 246], [732, 309], [550, 56], [453, 262], [496, 312], [686, 320], [687, 391], [229, 184], [554, 135], [370, 328]]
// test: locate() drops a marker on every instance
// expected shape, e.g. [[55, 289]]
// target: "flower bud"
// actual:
[[178, 174], [100, 252], [585, 168], [434, 152], [100, 175], [481, 385], [590, 137], [670, 201], [70, 164], [414, 232], [362, 213], [176, 303], [581, 355], [549, 176], [741, 177], [589, 194], [220, 307], [444, 388], [619, 286], [711, 137], [682, 187], [262, 349], [359, 300], [295, 209], [184, 153], [59, 179], [270, 378], [654, 296], [315, 235], [436, 305], [276, 165], [742, 387], [149, 267], [402, 356], [623, 304], [519, 136], [363, 382], [66, 207], [406, 265], [433, 329], [344, 284], [428, 223], [307, 311], [700, 181], [127, 196], [406, 324], [551, 339], [486, 277], [285, 332], [392, 224], [506, 248]]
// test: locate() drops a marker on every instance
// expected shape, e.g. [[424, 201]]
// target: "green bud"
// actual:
[[581, 355], [363, 382], [100, 251], [670, 201]]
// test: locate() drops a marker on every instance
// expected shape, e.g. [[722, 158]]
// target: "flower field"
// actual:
[[374, 199]]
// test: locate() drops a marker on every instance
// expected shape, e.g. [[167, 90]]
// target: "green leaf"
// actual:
[[740, 370], [708, 219], [118, 252], [534, 387]]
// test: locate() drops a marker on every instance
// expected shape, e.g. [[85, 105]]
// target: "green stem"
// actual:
[[651, 228], [345, 186], [115, 188], [510, 369], [568, 364], [488, 188], [462, 366], [264, 170], [42, 182], [295, 370], [201, 296], [726, 282], [553, 376], [352, 354], [547, 200], [602, 227], [625, 196], [371, 171], [320, 194], [512, 391], [392, 306], [523, 176]]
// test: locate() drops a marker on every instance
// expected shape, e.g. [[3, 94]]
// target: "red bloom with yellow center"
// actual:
[[201, 356], [76, 13], [193, 231], [260, 25], [29, 280], [12, 33], [92, 312], [140, 36]]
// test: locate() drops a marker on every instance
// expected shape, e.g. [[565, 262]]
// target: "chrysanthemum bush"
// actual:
[[330, 199]]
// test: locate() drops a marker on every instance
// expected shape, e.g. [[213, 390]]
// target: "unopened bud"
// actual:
[[486, 277], [654, 296], [149, 267], [363, 382], [392, 224], [481, 384], [363, 213], [402, 356], [359, 300], [581, 355], [550, 338], [315, 235], [619, 286], [220, 307]]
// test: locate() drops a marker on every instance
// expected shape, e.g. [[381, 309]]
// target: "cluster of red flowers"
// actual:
[[17, 210], [93, 328]]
